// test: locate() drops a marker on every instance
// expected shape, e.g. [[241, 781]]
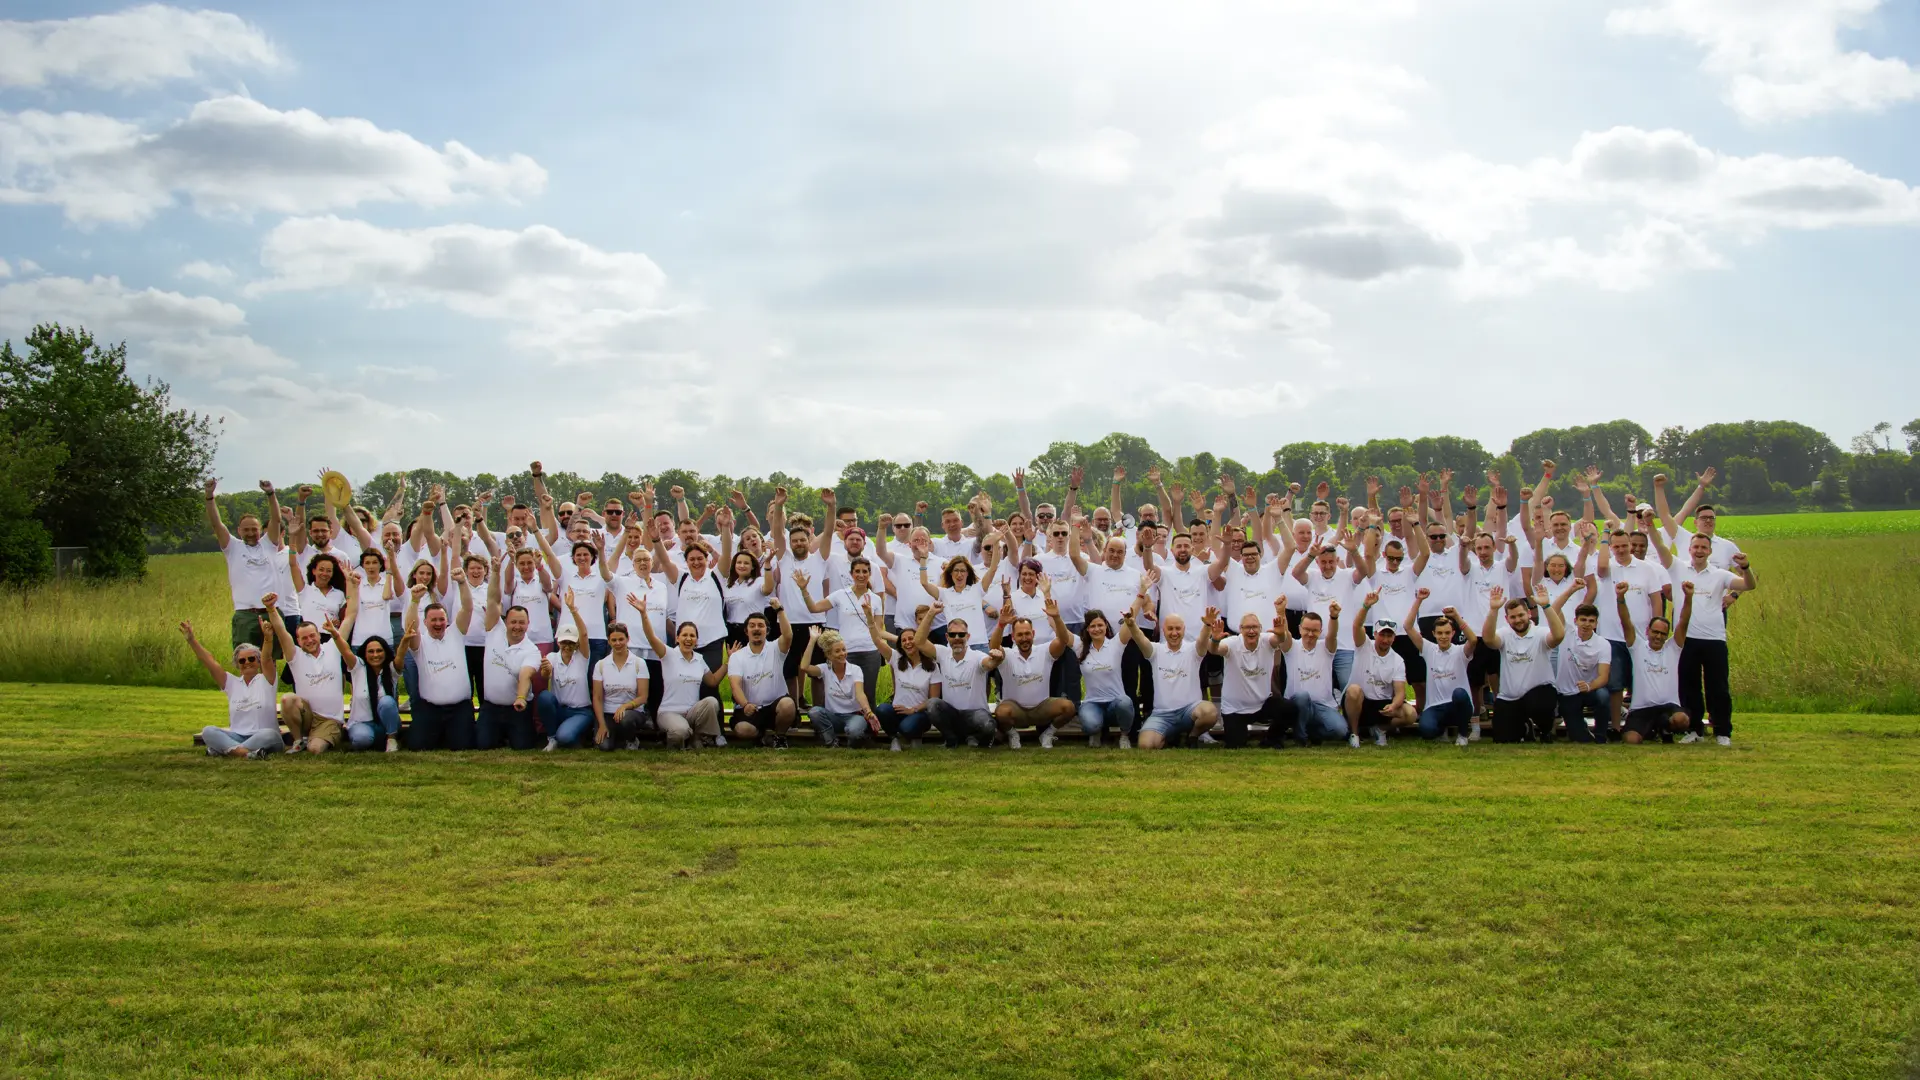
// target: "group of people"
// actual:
[[1195, 618]]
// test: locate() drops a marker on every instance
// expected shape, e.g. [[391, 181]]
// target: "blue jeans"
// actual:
[[1342, 669], [1097, 716], [1317, 719], [221, 740], [597, 650], [363, 734], [959, 725], [568, 726], [828, 725], [1170, 723], [1574, 706], [1456, 713], [503, 725], [904, 725]]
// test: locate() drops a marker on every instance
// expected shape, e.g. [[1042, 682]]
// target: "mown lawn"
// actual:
[[1418, 911]]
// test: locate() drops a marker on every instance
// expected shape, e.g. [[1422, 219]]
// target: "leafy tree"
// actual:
[[1879, 479], [28, 461], [1911, 429], [132, 460]]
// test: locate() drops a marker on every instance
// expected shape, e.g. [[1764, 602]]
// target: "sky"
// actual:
[[747, 237]]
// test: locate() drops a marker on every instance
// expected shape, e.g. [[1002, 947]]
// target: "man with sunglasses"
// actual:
[[1063, 564], [960, 712]]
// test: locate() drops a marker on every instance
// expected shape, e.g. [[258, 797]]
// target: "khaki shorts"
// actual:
[[328, 731]]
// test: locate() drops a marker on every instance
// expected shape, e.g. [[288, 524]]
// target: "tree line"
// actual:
[[91, 458]]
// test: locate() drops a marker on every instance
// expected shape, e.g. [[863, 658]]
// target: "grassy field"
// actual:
[[1850, 523], [1419, 911], [1832, 628]]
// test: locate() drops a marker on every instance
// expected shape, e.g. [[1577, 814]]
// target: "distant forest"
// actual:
[[1763, 467]]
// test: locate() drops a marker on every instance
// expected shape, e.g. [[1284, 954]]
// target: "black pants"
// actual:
[[1706, 661], [503, 725], [1136, 677], [715, 654], [1532, 714], [477, 667], [1066, 677], [622, 731], [441, 727], [1236, 725], [656, 686]]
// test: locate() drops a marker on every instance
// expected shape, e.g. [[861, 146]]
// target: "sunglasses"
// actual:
[[612, 512], [1058, 536], [248, 660], [960, 636], [1436, 536]]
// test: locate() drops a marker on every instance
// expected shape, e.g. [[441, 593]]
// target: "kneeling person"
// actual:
[[961, 711], [1656, 673], [316, 711], [1177, 707], [1027, 674], [756, 673], [1376, 695]]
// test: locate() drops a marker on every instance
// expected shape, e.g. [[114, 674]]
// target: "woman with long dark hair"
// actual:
[[376, 699]]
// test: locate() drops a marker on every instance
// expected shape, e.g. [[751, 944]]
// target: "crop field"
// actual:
[[1850, 523], [1419, 911]]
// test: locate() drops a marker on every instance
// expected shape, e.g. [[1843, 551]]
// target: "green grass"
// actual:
[[1743, 527], [1832, 628], [1420, 911]]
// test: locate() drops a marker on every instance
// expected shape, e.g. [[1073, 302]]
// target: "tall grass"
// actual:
[[1834, 627]]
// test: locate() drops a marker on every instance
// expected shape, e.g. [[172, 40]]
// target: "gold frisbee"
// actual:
[[338, 491]]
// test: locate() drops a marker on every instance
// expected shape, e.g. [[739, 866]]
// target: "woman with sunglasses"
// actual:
[[253, 724]]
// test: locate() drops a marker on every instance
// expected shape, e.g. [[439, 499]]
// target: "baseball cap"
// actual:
[[1388, 625], [1642, 508], [567, 632]]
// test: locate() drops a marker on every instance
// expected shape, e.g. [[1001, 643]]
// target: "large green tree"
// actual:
[[132, 459]]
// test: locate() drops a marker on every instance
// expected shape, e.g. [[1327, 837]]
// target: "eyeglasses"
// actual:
[[1058, 536], [247, 660], [612, 512], [1436, 536], [960, 635]]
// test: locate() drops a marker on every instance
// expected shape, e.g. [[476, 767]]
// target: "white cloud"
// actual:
[[564, 295], [233, 155], [1104, 157], [5, 270], [202, 270], [1780, 59], [129, 50], [411, 372], [179, 334]]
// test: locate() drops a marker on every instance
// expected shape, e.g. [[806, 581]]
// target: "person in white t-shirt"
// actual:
[[506, 687], [1705, 519], [1309, 659], [1704, 689], [443, 709], [252, 561], [1105, 703], [1614, 565], [763, 711], [566, 705], [1656, 676], [748, 588], [321, 591], [1526, 706], [1026, 672], [686, 719], [854, 610], [619, 693], [961, 711], [845, 712], [1444, 658], [916, 686], [1580, 675], [375, 710], [316, 712], [1174, 660], [253, 729], [1376, 694], [959, 595], [1246, 685]]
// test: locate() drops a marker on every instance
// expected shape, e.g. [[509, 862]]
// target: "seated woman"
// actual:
[[252, 731], [685, 718], [316, 711], [846, 711], [376, 701], [916, 685], [566, 705]]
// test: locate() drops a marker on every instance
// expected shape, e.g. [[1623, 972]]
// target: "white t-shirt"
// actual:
[[1031, 607], [363, 708], [406, 557], [318, 607], [913, 685], [1024, 679], [1442, 580], [619, 683], [442, 663], [905, 572], [1176, 676], [1184, 593], [317, 680], [703, 603], [1446, 671], [532, 596], [1721, 556], [963, 682], [659, 597], [1656, 675], [1479, 585], [590, 596], [840, 687], [1101, 670], [500, 678], [763, 673], [744, 598], [1710, 588], [1248, 679], [1578, 661], [1376, 674], [1111, 591], [1252, 593], [1643, 579], [681, 678], [852, 617], [571, 681], [1524, 661], [968, 604], [816, 571], [253, 571], [945, 549], [1310, 672], [1396, 589], [1323, 592], [1069, 588], [251, 705], [372, 600]]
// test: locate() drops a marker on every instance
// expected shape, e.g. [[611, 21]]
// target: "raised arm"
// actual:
[[1626, 617], [1131, 624], [1686, 613], [1687, 509], [493, 601], [1556, 621], [1410, 625], [801, 581], [220, 536], [1496, 612], [646, 625], [279, 625], [546, 550], [807, 666]]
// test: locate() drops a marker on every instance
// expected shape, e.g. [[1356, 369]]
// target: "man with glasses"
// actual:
[[960, 712]]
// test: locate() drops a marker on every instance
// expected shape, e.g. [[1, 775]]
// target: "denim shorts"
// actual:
[[1170, 722]]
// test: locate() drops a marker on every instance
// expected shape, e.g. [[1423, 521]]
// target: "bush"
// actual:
[[26, 552]]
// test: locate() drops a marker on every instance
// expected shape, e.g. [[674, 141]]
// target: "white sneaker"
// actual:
[[393, 745], [719, 740], [1379, 736], [896, 744], [1126, 743], [1474, 736], [297, 746], [552, 744], [1689, 738], [1353, 741], [1013, 740], [1460, 740], [1724, 740], [1207, 739], [1046, 739]]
